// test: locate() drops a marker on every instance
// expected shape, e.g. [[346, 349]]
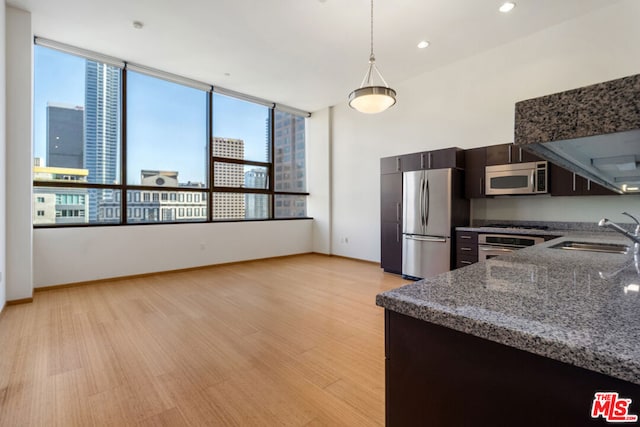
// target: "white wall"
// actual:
[[469, 104], [19, 44], [70, 255], [48, 257], [545, 208], [318, 149], [3, 243]]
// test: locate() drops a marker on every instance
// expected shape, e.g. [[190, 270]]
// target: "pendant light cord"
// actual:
[[368, 77], [371, 56]]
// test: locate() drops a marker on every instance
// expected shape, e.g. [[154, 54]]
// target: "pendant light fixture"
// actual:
[[370, 98]]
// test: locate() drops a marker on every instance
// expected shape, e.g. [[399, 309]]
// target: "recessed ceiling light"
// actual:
[[423, 44], [507, 7], [138, 25]]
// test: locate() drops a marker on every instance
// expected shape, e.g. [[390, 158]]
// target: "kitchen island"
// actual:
[[523, 339]]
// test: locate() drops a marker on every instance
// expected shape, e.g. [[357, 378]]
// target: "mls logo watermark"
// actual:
[[612, 408]]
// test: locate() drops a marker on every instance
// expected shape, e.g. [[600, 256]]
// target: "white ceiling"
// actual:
[[307, 54]]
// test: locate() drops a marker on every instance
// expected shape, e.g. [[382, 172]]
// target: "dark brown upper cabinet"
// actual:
[[475, 161], [563, 182], [503, 154], [436, 159]]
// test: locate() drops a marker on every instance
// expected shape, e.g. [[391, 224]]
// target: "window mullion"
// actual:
[[124, 218]]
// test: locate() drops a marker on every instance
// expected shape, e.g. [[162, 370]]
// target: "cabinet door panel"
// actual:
[[475, 160], [592, 189], [499, 154], [390, 164], [391, 197], [391, 247], [564, 182], [446, 158], [411, 162]]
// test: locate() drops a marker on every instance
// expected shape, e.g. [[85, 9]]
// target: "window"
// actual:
[[215, 152], [76, 134], [239, 129], [166, 133]]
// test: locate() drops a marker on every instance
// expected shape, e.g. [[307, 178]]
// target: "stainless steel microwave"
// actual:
[[516, 178]]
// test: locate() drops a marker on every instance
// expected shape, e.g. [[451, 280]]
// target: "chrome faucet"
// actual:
[[635, 236]]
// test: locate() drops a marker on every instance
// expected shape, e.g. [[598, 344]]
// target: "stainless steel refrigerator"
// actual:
[[433, 206]]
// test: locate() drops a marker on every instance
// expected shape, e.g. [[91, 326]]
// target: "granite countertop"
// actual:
[[519, 231], [582, 308]]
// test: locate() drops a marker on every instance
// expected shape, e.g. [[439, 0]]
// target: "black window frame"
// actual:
[[125, 189]]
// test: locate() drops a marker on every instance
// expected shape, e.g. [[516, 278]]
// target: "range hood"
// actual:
[[593, 131]]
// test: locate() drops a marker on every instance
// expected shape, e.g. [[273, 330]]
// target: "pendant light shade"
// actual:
[[370, 98]]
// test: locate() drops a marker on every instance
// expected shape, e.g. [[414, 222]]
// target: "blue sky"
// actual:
[[166, 121]]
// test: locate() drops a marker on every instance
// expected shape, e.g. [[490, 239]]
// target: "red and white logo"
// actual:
[[612, 408]]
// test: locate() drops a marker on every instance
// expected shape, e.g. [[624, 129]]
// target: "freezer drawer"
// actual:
[[425, 256]]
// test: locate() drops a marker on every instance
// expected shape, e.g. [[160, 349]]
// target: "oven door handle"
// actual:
[[486, 249]]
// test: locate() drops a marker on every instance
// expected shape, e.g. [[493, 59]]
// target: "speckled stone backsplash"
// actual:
[[602, 108]]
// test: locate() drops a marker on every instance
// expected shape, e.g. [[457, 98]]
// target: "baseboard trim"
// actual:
[[366, 261], [155, 273], [20, 301]]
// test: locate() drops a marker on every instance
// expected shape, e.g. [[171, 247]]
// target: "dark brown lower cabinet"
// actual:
[[436, 376], [466, 248], [391, 247]]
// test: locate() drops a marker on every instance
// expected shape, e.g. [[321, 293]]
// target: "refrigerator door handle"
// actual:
[[425, 239], [427, 204], [421, 203]]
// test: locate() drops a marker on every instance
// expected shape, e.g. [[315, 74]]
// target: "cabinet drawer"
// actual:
[[467, 251], [461, 262], [467, 238]]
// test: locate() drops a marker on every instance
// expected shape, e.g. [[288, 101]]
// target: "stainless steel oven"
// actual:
[[493, 245]]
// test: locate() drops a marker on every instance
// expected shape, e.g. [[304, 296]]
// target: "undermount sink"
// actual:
[[610, 248]]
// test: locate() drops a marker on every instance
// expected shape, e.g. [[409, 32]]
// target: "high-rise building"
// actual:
[[256, 205], [65, 144], [101, 128], [228, 205], [289, 162]]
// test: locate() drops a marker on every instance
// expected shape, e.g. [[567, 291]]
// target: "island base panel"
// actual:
[[438, 376]]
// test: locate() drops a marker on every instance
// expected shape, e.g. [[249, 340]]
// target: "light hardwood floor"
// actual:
[[292, 341]]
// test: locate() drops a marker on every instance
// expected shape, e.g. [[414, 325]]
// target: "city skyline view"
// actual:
[[60, 79], [78, 127]]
